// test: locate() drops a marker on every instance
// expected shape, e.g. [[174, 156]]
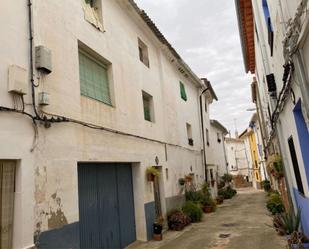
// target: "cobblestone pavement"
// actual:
[[240, 223]]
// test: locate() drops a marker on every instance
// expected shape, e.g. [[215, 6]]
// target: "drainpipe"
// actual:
[[203, 132]]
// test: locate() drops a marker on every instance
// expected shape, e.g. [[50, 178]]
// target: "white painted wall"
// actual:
[[236, 157], [52, 167], [266, 64]]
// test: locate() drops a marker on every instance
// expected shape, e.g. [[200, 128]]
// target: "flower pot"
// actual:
[[157, 228], [157, 237], [207, 209], [150, 177], [219, 201]]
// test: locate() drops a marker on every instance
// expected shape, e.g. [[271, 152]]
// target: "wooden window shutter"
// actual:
[[183, 93]]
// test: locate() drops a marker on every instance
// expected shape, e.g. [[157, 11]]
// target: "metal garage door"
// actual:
[[106, 206]]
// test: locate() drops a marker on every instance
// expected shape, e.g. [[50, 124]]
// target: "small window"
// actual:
[[93, 13], [148, 107], [207, 137], [189, 134], [143, 53], [206, 104], [183, 93], [218, 137], [94, 81]]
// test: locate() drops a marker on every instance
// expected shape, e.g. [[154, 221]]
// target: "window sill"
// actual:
[[97, 100]]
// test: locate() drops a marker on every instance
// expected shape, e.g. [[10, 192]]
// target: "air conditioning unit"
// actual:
[[271, 83]]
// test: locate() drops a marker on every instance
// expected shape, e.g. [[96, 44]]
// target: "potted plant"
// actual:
[[298, 240], [188, 178], [275, 166], [208, 204], [152, 172], [219, 199], [181, 181], [157, 229]]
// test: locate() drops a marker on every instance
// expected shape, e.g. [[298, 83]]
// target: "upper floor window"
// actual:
[[94, 81], [218, 137], [206, 104], [143, 53], [93, 13], [148, 107], [269, 26], [207, 136], [189, 134], [183, 93]]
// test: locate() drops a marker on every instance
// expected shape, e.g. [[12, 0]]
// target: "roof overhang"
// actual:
[[218, 125], [210, 88], [246, 30]]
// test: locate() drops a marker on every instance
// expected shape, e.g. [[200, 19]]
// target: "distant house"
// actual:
[[254, 151], [237, 158]]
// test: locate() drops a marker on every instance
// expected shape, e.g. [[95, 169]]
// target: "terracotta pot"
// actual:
[[150, 177], [207, 209], [219, 201], [157, 237]]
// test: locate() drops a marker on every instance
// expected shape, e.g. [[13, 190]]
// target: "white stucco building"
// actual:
[[91, 94], [237, 158], [275, 44]]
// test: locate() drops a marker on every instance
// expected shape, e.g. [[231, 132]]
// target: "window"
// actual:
[[269, 26], [206, 107], [94, 81], [148, 107], [189, 134], [295, 166], [183, 93], [218, 137], [143, 53], [93, 13], [207, 136]]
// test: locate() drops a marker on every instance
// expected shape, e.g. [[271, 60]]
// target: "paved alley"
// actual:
[[240, 223]]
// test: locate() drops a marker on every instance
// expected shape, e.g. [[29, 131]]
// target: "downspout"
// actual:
[[31, 46], [203, 132]]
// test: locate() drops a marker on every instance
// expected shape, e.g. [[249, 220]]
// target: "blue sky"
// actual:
[[205, 34]]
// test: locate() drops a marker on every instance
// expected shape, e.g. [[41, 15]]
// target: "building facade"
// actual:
[[92, 94], [237, 157], [275, 44]]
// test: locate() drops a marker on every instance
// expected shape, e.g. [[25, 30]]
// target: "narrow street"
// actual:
[[240, 223]]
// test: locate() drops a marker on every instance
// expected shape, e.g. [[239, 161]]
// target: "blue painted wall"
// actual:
[[303, 136], [66, 237], [150, 213], [303, 204]]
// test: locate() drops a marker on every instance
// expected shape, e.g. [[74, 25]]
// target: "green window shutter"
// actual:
[[93, 79], [147, 114], [183, 93]]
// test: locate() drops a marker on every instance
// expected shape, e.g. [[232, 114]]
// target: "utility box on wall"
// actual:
[[17, 80], [43, 59]]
